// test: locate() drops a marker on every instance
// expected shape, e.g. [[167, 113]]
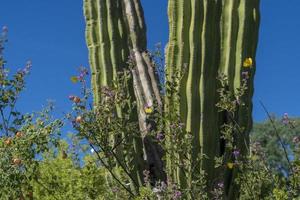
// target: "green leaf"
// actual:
[[74, 79]]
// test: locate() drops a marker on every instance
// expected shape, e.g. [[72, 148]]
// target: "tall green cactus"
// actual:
[[206, 37], [210, 37], [115, 31]]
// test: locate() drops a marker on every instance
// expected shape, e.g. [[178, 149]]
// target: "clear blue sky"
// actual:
[[51, 34]]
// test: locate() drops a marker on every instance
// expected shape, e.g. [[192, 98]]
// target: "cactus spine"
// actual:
[[209, 37]]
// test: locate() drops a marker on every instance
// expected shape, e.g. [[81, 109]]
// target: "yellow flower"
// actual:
[[248, 62], [230, 165], [148, 110]]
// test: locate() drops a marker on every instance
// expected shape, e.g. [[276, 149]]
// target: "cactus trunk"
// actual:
[[115, 33], [210, 37]]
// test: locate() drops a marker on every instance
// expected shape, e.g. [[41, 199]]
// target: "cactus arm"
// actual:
[[116, 29], [213, 36], [146, 86]]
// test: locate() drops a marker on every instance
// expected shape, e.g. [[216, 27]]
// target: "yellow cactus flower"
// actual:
[[148, 110], [230, 165], [248, 62]]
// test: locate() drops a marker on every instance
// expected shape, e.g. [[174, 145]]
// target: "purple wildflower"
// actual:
[[163, 185], [237, 101], [245, 75], [115, 189], [177, 195], [181, 125], [236, 153], [108, 92], [83, 72], [160, 136], [146, 174], [71, 97], [26, 69], [220, 185], [296, 139], [285, 119]]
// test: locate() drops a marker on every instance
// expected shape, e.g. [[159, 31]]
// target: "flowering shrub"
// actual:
[[110, 137], [22, 137]]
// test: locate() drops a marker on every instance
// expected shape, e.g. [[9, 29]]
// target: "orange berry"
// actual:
[[78, 119], [19, 134], [76, 100], [8, 141], [17, 161]]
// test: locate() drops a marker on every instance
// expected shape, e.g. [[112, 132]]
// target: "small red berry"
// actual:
[[8, 141]]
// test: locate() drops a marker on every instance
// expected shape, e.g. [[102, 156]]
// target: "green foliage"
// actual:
[[58, 177], [23, 137], [19, 154], [206, 157], [264, 136]]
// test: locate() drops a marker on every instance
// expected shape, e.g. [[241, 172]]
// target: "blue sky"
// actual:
[[51, 34]]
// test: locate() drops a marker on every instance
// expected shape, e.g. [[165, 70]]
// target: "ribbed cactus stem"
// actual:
[[210, 37], [115, 31]]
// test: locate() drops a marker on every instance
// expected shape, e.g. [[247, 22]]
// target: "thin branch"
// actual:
[[279, 139], [110, 171], [4, 122], [124, 167]]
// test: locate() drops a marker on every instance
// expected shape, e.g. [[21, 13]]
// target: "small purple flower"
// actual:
[[245, 75], [220, 185], [163, 186], [146, 174], [108, 92], [115, 189], [80, 77], [82, 73], [177, 195], [285, 119], [181, 125], [296, 139], [71, 97], [160, 136], [237, 102], [236, 153], [28, 66], [172, 126]]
